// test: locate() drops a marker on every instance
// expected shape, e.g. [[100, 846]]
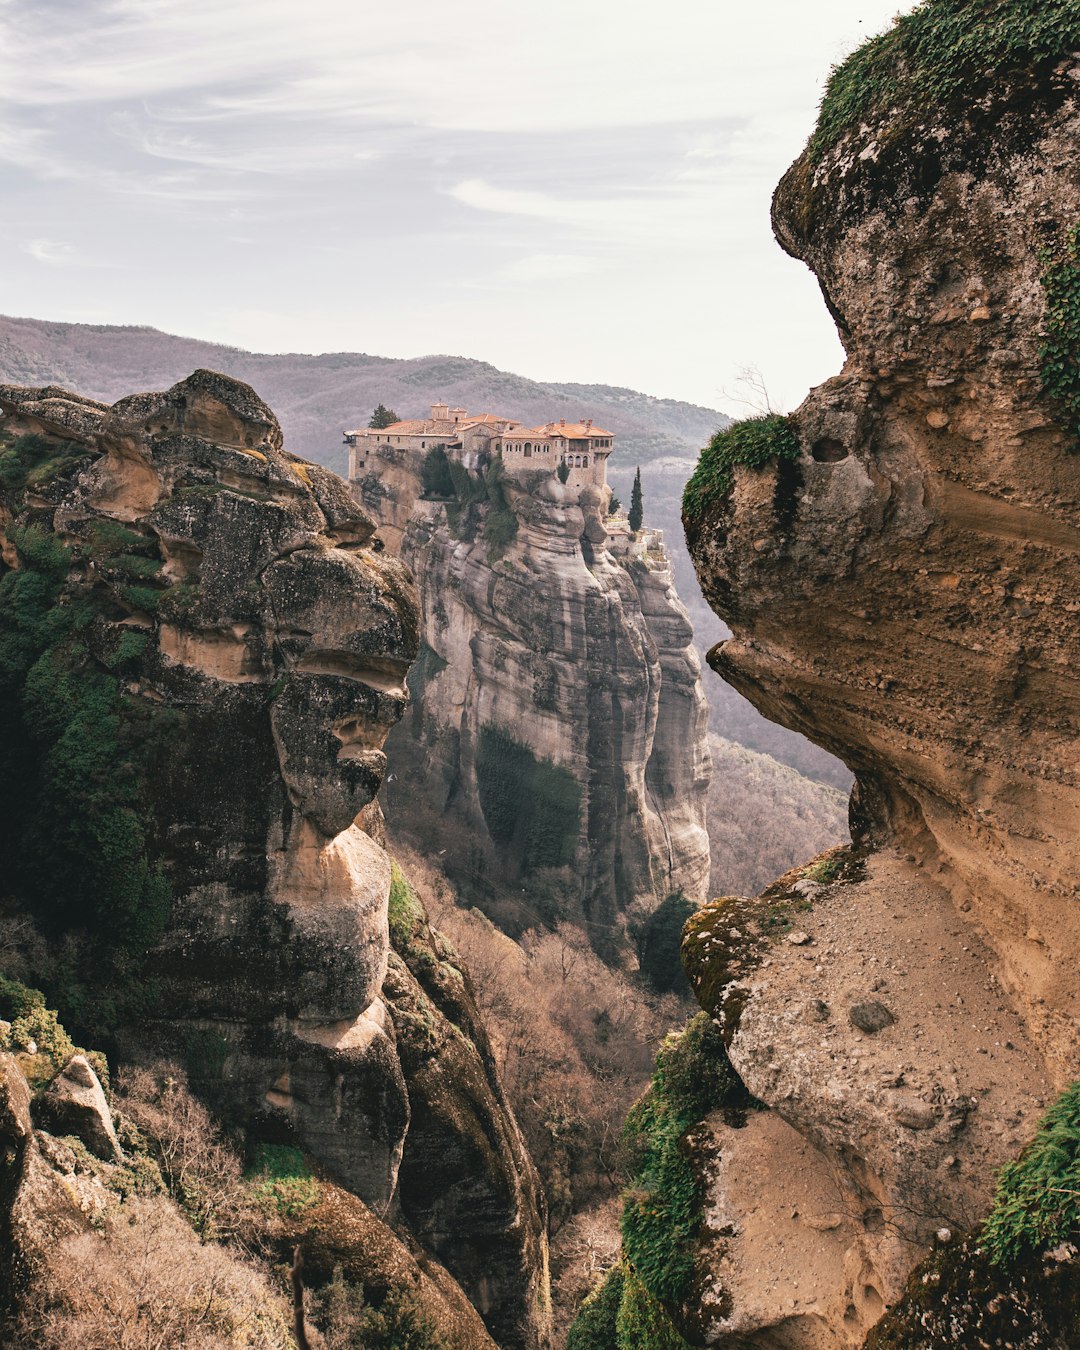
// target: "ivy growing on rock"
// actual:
[[1060, 353], [754, 442], [662, 1202], [661, 1206], [943, 52]]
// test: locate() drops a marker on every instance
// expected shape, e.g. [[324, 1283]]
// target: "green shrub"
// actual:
[[1037, 1204], [130, 645], [942, 53], [146, 598], [341, 1311], [108, 539], [825, 870], [282, 1180], [31, 460], [661, 1205], [660, 944], [754, 443], [1060, 353], [530, 805], [405, 911], [436, 480], [32, 1021], [594, 1325], [641, 1323]]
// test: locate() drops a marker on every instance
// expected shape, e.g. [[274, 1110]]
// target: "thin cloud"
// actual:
[[51, 252], [550, 267]]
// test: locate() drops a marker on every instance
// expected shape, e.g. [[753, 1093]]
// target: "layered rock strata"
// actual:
[[901, 585], [217, 601], [558, 710]]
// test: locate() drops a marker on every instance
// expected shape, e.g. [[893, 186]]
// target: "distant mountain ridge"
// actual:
[[317, 396]]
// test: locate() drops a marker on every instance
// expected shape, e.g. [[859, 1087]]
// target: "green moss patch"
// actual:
[[406, 914], [755, 443], [945, 52], [531, 806], [661, 1205], [74, 752], [1060, 352], [642, 1321], [281, 1179], [594, 1326], [1037, 1204], [725, 941]]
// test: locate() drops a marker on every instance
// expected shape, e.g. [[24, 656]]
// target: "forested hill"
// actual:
[[315, 397]]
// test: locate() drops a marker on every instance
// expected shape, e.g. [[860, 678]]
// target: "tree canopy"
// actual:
[[383, 417]]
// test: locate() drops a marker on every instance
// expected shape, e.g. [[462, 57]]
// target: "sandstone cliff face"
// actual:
[[901, 585], [203, 658], [557, 704]]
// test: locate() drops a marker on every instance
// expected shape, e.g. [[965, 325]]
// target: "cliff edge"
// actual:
[[899, 562], [557, 705]]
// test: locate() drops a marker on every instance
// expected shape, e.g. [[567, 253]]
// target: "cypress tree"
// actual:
[[636, 513]]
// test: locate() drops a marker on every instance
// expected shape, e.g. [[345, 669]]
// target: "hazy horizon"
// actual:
[[555, 189]]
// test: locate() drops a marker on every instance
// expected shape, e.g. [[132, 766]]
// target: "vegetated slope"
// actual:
[[574, 1039], [764, 818], [316, 397]]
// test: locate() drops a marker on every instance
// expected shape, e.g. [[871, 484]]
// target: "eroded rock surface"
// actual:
[[574, 647], [251, 648], [903, 591]]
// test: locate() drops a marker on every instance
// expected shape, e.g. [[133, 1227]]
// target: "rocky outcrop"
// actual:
[[557, 711], [900, 579], [75, 1104], [205, 655], [86, 1268], [466, 1182]]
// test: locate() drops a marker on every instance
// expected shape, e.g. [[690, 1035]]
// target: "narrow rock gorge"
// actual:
[[897, 561], [202, 656], [556, 744]]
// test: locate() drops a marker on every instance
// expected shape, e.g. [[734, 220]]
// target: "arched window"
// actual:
[[585, 461]]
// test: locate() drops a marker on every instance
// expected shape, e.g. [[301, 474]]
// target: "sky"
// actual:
[[569, 189]]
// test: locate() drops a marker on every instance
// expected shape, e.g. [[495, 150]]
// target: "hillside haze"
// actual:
[[316, 397]]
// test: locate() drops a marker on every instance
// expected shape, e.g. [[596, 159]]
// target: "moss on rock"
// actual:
[[754, 443]]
